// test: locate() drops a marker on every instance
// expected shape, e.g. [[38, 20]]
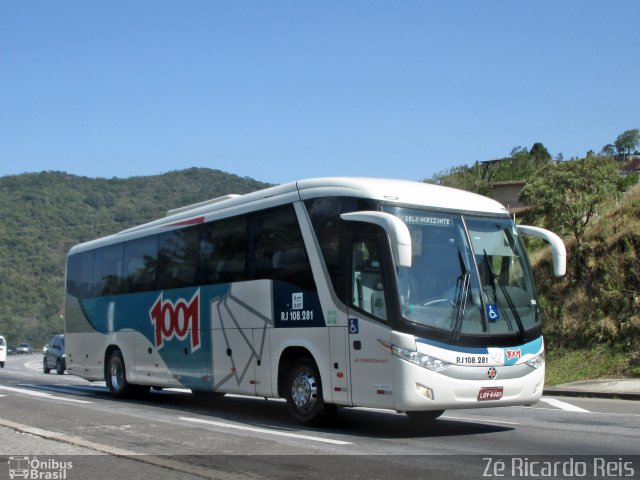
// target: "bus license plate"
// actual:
[[490, 393]]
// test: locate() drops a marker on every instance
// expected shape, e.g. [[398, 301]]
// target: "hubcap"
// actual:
[[304, 391], [116, 375]]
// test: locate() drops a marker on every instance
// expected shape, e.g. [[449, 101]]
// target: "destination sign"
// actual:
[[428, 220]]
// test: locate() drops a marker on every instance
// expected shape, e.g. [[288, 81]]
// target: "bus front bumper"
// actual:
[[465, 387]]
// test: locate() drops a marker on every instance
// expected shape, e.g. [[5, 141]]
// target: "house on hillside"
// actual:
[[508, 194], [630, 165]]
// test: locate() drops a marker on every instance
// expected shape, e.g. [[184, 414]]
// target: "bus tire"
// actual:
[[425, 415], [45, 369], [304, 394], [116, 376]]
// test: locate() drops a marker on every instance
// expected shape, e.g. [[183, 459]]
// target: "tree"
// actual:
[[539, 154], [515, 151], [568, 195], [608, 150], [627, 141], [520, 165]]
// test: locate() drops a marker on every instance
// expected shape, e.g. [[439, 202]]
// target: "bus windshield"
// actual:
[[469, 275]]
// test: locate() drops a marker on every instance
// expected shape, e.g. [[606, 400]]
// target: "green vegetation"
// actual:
[[44, 214], [566, 197]]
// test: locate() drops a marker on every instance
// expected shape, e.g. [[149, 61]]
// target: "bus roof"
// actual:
[[401, 192]]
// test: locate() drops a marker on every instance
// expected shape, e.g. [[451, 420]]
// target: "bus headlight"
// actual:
[[417, 358], [537, 361]]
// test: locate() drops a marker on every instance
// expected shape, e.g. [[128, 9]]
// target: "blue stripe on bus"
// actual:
[[454, 348], [531, 348]]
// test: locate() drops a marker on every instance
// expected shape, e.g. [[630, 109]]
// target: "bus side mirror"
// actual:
[[396, 230], [558, 250]]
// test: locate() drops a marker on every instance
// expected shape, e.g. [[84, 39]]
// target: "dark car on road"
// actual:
[[54, 357]]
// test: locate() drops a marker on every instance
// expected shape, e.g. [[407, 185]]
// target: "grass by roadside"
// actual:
[[571, 366]]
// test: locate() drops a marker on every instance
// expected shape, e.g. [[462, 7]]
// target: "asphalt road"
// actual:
[[170, 434]]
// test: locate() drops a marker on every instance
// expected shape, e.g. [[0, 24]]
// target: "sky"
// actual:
[[283, 90]]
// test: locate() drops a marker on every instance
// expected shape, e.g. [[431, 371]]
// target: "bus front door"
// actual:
[[371, 381]]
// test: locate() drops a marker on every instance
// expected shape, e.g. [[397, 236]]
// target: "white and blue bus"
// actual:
[[327, 292]]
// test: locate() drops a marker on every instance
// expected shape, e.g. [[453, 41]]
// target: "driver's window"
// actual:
[[367, 283]]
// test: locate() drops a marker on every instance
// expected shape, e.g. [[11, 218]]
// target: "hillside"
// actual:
[[596, 319], [44, 214]]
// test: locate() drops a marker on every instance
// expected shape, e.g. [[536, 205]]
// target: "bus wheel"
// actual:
[[304, 394], [116, 376], [425, 416]]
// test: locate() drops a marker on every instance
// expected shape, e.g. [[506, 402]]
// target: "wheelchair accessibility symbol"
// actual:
[[492, 312], [353, 326]]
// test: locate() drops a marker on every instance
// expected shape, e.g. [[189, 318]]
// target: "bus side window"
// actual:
[[278, 251], [333, 233], [107, 271], [178, 258], [80, 275], [367, 280], [140, 263], [225, 242]]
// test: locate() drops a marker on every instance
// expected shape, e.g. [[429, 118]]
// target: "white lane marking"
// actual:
[[43, 433], [590, 412], [41, 394], [264, 430], [563, 405], [479, 420]]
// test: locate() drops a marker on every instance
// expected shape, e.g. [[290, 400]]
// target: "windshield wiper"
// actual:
[[505, 293], [462, 290]]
